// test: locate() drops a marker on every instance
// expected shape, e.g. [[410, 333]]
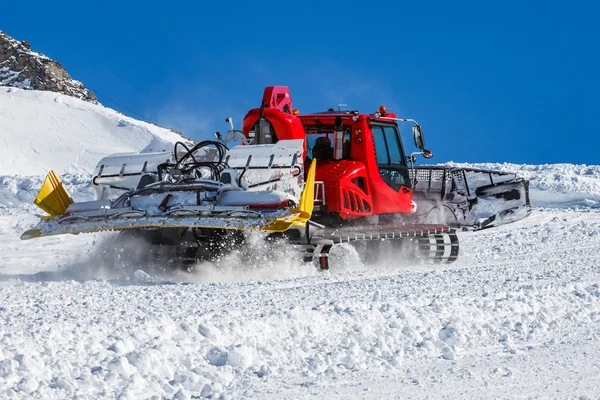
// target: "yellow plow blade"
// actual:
[[53, 198], [302, 214]]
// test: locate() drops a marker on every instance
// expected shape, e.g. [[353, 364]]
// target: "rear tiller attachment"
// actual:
[[469, 197]]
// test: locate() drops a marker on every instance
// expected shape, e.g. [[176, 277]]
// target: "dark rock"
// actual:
[[27, 69]]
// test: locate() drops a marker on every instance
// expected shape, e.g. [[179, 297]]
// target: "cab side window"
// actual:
[[390, 156]]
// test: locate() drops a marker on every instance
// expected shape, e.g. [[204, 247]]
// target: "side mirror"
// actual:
[[426, 153], [418, 137]]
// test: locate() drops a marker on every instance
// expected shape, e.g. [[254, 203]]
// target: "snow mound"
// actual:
[[40, 131], [23, 189]]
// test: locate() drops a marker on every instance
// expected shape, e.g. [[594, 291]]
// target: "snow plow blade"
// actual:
[[131, 219], [53, 198], [195, 204], [469, 197]]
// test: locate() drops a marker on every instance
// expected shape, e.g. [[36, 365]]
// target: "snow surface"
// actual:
[[517, 316], [40, 131]]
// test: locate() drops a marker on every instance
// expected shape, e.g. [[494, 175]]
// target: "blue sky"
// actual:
[[514, 81]]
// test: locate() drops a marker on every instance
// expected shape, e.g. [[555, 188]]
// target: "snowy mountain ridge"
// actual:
[[50, 121], [24, 68], [42, 130]]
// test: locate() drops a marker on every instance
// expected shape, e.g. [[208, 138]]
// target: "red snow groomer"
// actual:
[[358, 187]]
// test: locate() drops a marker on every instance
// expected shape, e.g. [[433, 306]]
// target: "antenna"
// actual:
[[341, 105]]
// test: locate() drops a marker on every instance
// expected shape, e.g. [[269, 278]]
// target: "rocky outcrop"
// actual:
[[22, 67]]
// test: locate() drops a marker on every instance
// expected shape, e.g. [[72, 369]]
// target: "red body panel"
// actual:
[[353, 186], [286, 126], [347, 188], [277, 98]]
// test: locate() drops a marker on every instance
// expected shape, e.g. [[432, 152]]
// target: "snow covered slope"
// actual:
[[40, 131], [518, 315]]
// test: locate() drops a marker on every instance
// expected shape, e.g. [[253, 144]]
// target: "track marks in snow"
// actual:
[[82, 338], [248, 339]]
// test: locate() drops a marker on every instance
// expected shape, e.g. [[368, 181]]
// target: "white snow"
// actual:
[[517, 316], [521, 305], [40, 131]]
